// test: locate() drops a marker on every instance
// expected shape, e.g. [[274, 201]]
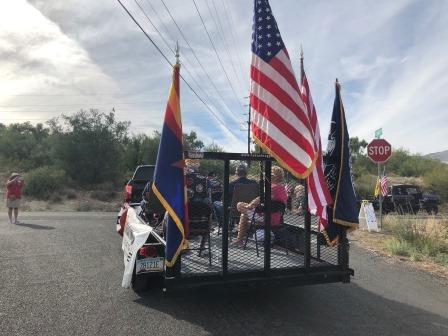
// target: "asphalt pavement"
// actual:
[[60, 274]]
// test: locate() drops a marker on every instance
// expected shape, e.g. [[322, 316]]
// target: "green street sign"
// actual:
[[378, 133]]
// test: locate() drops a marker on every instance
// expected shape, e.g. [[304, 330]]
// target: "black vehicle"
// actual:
[[409, 198], [134, 187]]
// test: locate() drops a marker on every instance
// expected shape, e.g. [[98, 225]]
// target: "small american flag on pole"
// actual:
[[318, 193], [280, 123]]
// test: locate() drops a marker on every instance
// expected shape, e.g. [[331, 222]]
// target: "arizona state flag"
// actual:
[[338, 173], [169, 180]]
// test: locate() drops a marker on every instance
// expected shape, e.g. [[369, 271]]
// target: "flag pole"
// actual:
[[307, 223]]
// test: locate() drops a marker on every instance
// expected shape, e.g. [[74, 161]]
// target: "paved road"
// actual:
[[60, 274]]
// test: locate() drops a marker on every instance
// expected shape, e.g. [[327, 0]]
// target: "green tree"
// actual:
[[191, 141], [89, 146], [24, 146]]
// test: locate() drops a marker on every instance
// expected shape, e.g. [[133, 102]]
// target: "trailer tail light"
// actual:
[[148, 251], [127, 192]]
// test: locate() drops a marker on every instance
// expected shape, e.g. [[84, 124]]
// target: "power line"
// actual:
[[166, 43], [231, 23], [160, 20], [197, 59], [220, 29], [154, 26], [216, 52], [167, 60]]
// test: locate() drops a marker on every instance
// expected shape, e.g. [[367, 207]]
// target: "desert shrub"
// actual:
[[71, 194], [417, 237], [442, 258], [55, 198], [84, 206], [437, 180], [399, 247], [102, 195], [43, 182], [365, 185]]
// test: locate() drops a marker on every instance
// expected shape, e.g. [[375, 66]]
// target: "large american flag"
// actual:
[[280, 123], [318, 194]]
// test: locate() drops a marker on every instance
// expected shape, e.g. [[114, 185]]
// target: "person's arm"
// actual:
[[254, 203], [12, 181]]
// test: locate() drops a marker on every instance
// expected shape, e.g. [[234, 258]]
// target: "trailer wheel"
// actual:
[[139, 284]]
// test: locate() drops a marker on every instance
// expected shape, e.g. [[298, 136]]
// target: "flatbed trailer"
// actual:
[[211, 260]]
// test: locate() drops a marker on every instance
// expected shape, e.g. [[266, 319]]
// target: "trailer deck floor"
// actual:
[[240, 259]]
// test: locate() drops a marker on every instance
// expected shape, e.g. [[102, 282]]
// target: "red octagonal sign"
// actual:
[[379, 150]]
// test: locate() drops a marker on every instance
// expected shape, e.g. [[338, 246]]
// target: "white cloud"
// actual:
[[389, 55], [37, 57]]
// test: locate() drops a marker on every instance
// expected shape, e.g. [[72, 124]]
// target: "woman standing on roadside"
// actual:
[[14, 187]]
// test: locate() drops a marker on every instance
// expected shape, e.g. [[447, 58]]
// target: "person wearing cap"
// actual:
[[278, 193], [14, 187], [241, 178]]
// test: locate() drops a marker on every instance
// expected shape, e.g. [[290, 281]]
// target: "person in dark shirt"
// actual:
[[241, 173]]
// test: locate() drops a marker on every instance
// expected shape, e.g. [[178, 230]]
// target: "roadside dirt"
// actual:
[[80, 201], [374, 241]]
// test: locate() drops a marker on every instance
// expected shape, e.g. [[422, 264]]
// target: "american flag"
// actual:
[[318, 194], [280, 123], [383, 185]]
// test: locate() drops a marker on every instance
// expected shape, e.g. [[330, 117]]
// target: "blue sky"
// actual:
[[390, 56]]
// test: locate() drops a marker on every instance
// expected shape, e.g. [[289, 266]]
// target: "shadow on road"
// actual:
[[318, 310], [36, 227]]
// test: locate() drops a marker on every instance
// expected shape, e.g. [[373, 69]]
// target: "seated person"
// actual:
[[278, 193], [241, 173], [214, 187], [298, 200]]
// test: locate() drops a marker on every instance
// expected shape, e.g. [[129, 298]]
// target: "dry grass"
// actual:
[[420, 241], [418, 237]]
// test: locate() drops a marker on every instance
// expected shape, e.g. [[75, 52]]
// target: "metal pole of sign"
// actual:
[[380, 197]]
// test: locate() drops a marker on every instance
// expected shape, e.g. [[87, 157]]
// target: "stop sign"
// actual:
[[379, 150]]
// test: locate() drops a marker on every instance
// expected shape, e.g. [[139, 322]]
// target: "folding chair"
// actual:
[[276, 206], [241, 193], [200, 220]]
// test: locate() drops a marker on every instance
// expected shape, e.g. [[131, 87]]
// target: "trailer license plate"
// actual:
[[149, 265]]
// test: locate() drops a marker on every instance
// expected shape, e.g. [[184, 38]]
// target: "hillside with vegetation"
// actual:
[[90, 150], [442, 156], [402, 167]]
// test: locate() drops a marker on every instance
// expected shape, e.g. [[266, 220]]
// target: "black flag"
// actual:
[[338, 173]]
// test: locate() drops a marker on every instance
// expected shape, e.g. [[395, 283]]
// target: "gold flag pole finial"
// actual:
[[177, 53], [338, 85]]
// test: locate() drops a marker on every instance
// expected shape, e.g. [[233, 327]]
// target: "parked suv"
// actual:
[[409, 198], [134, 187]]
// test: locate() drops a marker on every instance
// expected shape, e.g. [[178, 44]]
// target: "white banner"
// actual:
[[135, 235]]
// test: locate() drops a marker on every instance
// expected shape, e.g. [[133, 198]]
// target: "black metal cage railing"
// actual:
[[269, 237]]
